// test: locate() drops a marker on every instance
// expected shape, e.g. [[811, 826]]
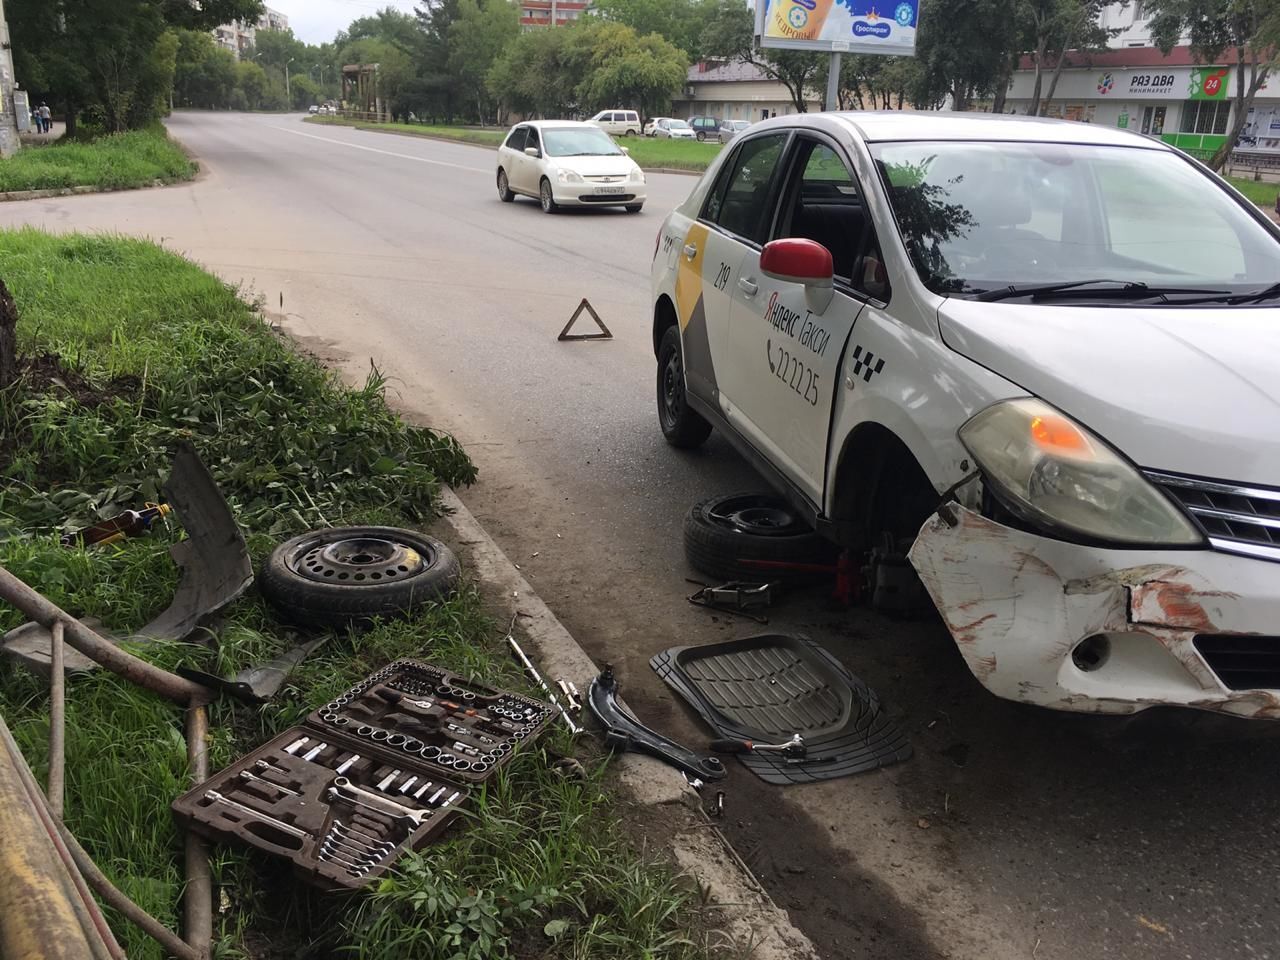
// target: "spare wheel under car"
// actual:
[[723, 534], [345, 575]]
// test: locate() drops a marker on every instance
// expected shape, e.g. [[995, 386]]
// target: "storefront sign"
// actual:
[[1209, 83], [1202, 83], [855, 26]]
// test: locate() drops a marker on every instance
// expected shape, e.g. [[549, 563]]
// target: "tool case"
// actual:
[[381, 769]]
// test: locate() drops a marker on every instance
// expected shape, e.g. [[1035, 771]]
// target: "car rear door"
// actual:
[[732, 222], [788, 354], [531, 167], [511, 155]]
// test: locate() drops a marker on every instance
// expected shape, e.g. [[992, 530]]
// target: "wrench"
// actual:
[[353, 868], [410, 821], [417, 816], [248, 775], [353, 850], [372, 841], [280, 825]]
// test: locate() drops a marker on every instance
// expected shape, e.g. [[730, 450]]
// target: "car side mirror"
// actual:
[[795, 260], [626, 152], [532, 152]]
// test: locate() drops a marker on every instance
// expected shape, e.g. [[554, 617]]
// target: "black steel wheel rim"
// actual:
[[546, 195], [673, 389], [359, 561], [758, 515]]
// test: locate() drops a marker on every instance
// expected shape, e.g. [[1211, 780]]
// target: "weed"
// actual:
[[112, 162]]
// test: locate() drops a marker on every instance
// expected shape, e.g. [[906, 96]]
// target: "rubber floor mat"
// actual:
[[769, 687]]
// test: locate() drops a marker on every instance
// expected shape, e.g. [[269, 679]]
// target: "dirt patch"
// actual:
[[48, 373]]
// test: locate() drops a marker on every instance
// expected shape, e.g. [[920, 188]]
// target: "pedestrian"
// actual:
[[46, 117]]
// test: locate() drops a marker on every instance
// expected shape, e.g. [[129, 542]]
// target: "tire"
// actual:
[[628, 133], [634, 207], [681, 425], [701, 136], [504, 188], [723, 532], [546, 197], [351, 575]]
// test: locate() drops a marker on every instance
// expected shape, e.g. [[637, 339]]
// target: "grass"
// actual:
[[113, 162], [1261, 192], [650, 152], [153, 351]]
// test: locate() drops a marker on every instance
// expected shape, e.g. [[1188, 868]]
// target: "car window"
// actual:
[[982, 216], [579, 142], [632, 117], [533, 139], [823, 203], [612, 118], [518, 138], [740, 200]]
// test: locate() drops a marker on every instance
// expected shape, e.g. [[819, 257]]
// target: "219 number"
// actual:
[[722, 276]]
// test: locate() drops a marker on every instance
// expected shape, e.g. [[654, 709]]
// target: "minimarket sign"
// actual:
[[1200, 83]]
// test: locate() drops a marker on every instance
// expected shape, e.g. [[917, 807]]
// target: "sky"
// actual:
[[316, 21]]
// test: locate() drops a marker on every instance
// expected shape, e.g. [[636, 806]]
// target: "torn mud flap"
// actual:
[[1102, 630], [260, 683], [213, 559], [622, 731]]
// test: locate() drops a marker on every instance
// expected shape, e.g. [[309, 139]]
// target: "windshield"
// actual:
[[977, 217], [578, 142], [678, 125]]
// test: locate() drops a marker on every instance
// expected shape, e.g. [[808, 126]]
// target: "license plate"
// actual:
[[599, 190]]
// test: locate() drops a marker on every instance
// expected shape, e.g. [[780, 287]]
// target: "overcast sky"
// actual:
[[316, 21]]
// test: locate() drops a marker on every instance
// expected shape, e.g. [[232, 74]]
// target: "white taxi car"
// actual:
[[566, 163], [1043, 356]]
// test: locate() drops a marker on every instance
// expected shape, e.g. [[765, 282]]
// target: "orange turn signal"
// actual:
[[1059, 435]]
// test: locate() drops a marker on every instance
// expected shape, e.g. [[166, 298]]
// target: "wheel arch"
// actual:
[[664, 317], [878, 484]]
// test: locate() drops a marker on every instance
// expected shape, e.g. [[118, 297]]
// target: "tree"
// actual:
[[1247, 31], [730, 34], [435, 17], [389, 25], [680, 21], [395, 70], [109, 55], [622, 69], [304, 91], [536, 74], [1051, 28], [205, 74], [477, 38], [963, 48], [251, 80]]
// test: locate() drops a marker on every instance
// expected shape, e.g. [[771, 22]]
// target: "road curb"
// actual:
[[746, 910], [15, 195]]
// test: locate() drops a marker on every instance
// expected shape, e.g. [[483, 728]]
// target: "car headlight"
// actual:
[[569, 176], [1055, 474], [637, 175]]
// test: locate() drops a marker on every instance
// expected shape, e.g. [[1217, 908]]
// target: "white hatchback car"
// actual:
[[565, 163], [1043, 357], [673, 129]]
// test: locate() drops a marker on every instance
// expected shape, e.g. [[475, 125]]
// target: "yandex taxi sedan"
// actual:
[[1043, 357], [566, 163]]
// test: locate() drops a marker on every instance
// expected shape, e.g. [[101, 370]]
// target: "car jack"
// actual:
[[622, 731], [736, 597]]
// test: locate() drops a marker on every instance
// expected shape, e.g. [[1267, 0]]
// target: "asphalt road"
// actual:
[[1012, 833]]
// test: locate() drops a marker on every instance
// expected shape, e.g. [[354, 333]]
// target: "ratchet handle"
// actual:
[[732, 746]]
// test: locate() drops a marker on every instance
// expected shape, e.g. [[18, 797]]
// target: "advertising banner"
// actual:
[[844, 26], [1176, 83]]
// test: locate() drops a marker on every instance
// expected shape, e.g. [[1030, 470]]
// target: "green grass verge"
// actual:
[[1261, 192], [154, 351], [650, 153], [115, 162]]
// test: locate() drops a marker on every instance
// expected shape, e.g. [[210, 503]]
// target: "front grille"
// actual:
[[1244, 662], [607, 198], [1235, 518], [615, 178]]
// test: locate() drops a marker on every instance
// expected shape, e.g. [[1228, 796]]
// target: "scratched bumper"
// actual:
[[1019, 605]]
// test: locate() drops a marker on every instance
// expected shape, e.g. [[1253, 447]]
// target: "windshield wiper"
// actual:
[[1266, 293], [1082, 288]]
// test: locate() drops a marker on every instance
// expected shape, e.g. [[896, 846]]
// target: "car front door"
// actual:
[[511, 155], [531, 167], [733, 221], [787, 348]]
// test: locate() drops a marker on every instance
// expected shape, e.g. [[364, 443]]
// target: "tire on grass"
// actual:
[[722, 532], [344, 576]]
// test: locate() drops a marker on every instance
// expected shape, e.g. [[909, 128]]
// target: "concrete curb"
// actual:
[[15, 195], [471, 143], [746, 910]]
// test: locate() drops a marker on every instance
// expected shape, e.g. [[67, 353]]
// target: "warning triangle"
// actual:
[[604, 333]]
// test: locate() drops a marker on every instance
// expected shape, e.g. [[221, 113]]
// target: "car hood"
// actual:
[[1187, 390], [596, 166]]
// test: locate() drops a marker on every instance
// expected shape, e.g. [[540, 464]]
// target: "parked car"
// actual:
[[673, 130], [564, 163], [730, 129], [314, 108], [705, 127], [1060, 404], [618, 123], [652, 125]]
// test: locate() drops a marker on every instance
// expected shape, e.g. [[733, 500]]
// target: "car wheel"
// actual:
[[681, 425], [628, 133], [634, 207], [547, 198], [701, 136], [346, 575], [504, 188], [723, 535]]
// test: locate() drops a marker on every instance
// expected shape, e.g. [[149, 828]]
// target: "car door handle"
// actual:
[[690, 250], [749, 287]]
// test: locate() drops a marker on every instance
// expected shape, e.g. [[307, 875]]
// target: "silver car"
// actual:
[[731, 128]]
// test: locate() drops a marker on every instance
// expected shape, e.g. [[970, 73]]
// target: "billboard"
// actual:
[[845, 26]]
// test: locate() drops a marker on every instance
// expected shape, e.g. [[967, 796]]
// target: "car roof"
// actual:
[[543, 124], [884, 125]]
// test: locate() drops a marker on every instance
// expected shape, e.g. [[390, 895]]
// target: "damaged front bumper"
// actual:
[[1101, 630]]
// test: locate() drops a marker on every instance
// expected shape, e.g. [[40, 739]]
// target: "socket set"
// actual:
[[455, 727], [343, 805]]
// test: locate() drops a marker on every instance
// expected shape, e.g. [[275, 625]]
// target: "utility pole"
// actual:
[[288, 93], [8, 115]]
